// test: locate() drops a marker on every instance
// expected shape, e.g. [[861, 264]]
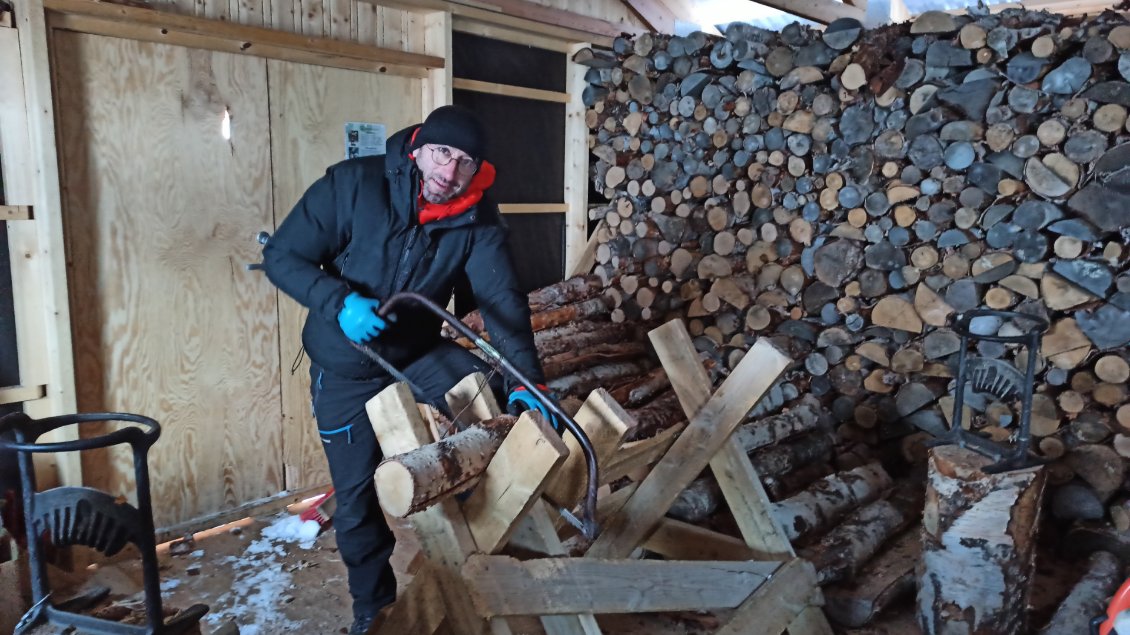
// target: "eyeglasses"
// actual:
[[441, 155]]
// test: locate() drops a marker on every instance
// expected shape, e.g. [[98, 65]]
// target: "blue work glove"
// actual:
[[358, 318], [521, 400]]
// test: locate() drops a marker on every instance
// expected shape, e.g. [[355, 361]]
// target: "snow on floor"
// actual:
[[261, 582]]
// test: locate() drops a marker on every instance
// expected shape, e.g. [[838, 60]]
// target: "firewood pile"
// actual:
[[847, 192]]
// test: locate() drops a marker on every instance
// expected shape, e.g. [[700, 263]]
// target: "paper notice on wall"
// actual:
[[364, 139]]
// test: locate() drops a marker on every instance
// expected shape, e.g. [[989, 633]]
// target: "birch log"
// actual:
[[978, 548]]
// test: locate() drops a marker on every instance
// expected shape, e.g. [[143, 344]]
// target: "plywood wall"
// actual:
[[161, 213], [309, 107]]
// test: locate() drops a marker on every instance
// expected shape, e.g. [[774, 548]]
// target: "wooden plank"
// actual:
[[586, 260], [442, 529], [313, 55], [151, 25], [736, 476], [309, 105], [513, 481], [539, 533], [525, 11], [636, 454], [419, 608], [443, 532], [576, 164], [6, 19], [678, 540], [654, 14], [437, 41], [555, 586], [508, 90], [39, 280], [605, 423], [533, 208], [514, 36], [489, 15], [210, 357], [811, 621], [15, 147], [775, 605], [472, 400], [20, 394], [821, 11], [707, 432], [15, 212]]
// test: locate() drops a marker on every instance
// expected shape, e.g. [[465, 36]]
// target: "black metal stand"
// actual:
[[1001, 380], [84, 516]]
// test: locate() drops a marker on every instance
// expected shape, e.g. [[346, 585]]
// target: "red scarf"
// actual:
[[482, 180]]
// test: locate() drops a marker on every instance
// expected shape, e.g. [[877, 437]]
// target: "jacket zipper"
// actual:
[[402, 268]]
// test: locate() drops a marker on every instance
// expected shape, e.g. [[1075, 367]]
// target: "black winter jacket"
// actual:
[[356, 229]]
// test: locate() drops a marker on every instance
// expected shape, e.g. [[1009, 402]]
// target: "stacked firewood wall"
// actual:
[[847, 192]]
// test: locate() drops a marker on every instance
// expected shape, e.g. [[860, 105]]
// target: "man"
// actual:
[[416, 220]]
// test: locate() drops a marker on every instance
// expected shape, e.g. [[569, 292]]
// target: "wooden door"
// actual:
[[161, 211], [309, 109]]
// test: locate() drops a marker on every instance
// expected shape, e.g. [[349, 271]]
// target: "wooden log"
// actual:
[[413, 481], [570, 313], [582, 382], [977, 526], [761, 432], [697, 502], [1088, 597], [884, 580], [841, 553], [581, 358], [663, 412], [568, 291], [791, 454], [821, 505], [642, 389], [579, 335]]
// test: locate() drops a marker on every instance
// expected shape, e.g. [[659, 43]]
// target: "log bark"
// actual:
[[820, 506], [585, 357], [413, 481], [886, 579], [1088, 597], [642, 389], [981, 527], [806, 416], [697, 502], [662, 413], [841, 553], [789, 455]]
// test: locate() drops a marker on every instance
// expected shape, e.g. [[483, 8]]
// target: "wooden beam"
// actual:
[[437, 42], [576, 166], [38, 254], [554, 586], [703, 437], [605, 423], [514, 480], [636, 454], [654, 14], [506, 90], [6, 19], [149, 25], [678, 540], [472, 400], [512, 35], [539, 533], [533, 208], [15, 212], [530, 17], [20, 394], [736, 476], [821, 11], [773, 607]]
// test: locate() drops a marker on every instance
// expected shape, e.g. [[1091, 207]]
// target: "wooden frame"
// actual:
[[821, 11], [150, 25], [15, 212], [770, 589]]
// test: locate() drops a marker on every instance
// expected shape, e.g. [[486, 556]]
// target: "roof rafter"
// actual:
[[654, 14], [822, 11]]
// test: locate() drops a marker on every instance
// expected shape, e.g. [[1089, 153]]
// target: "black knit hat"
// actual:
[[453, 126]]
